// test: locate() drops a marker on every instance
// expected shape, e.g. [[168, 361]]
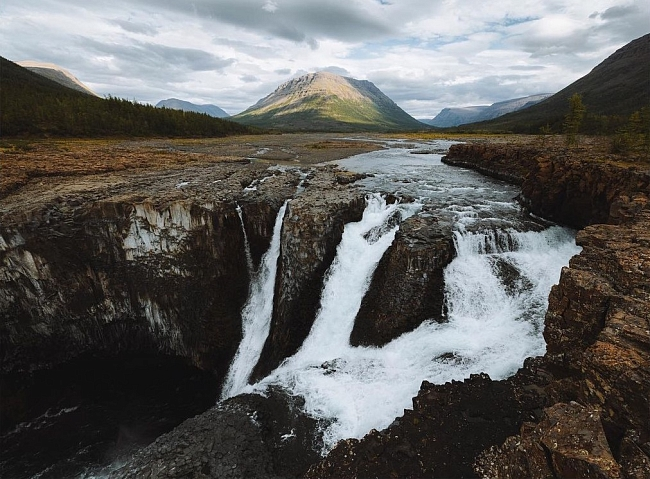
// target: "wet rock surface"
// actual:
[[582, 409], [246, 437], [408, 285], [569, 441], [149, 261], [440, 437]]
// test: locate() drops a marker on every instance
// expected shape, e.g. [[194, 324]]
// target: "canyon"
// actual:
[[154, 260]]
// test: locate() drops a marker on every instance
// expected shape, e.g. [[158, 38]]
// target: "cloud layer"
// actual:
[[425, 55]]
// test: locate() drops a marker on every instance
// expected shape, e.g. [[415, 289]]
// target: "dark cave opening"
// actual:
[[94, 411]]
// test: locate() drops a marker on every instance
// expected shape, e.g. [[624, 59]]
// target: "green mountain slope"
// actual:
[[327, 102], [617, 87], [31, 104]]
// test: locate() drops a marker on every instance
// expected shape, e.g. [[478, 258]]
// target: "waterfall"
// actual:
[[247, 246], [362, 246], [256, 315], [492, 327]]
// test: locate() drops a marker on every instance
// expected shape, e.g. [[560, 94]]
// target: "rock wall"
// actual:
[[118, 276], [563, 185], [407, 286]]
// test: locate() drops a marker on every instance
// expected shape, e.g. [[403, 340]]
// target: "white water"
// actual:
[[247, 246], [256, 315], [496, 293]]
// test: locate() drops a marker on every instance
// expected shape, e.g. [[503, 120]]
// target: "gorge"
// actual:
[[164, 264]]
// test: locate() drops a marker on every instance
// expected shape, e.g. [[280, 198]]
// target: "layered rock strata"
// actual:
[[156, 264]]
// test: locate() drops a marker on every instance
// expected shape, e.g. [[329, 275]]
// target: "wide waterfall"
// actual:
[[496, 295]]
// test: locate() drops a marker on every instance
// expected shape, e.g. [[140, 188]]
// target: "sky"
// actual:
[[424, 54]]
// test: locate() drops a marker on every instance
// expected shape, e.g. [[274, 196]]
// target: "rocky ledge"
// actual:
[[583, 409]]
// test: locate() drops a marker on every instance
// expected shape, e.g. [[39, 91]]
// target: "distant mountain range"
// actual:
[[617, 87], [324, 101], [462, 115], [176, 104], [57, 74]]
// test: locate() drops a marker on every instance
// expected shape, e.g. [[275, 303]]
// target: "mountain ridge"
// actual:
[[616, 87], [455, 116], [324, 101], [208, 109]]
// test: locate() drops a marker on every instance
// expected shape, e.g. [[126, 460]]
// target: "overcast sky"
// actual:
[[424, 54]]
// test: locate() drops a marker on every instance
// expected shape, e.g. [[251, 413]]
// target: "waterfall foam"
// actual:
[[256, 315]]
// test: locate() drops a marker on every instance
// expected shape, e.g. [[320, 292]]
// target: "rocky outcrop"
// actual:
[[312, 229], [248, 436], [447, 428], [407, 286], [560, 184], [569, 441], [582, 409], [504, 162], [160, 266], [123, 276]]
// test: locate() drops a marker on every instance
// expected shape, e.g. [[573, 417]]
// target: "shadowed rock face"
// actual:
[[248, 436], [407, 286]]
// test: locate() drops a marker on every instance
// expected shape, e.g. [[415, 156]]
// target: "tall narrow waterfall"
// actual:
[[247, 246], [256, 315]]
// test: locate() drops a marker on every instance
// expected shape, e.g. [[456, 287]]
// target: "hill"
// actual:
[[327, 102], [176, 104], [57, 74], [471, 114], [31, 104], [612, 91]]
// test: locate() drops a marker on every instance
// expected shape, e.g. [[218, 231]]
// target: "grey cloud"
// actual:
[[293, 20], [253, 50], [527, 68], [283, 71], [147, 56], [336, 70], [620, 11], [249, 78], [134, 27]]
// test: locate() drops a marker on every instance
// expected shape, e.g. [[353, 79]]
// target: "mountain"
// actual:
[[32, 104], [176, 104], [57, 74], [617, 87], [327, 102], [471, 114]]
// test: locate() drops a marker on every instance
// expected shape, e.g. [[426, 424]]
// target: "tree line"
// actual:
[[31, 105]]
